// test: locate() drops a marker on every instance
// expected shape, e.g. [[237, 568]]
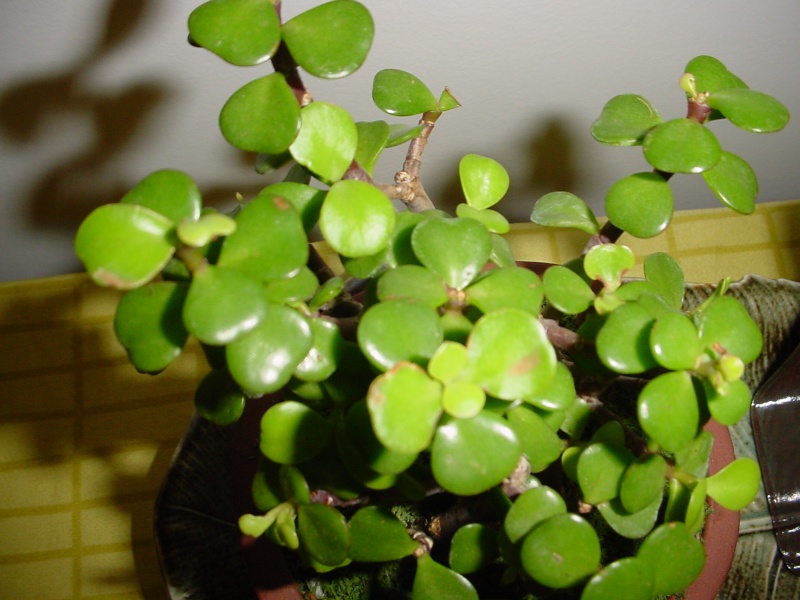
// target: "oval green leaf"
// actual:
[[484, 180], [668, 410], [262, 116], [434, 582], [327, 142], [378, 536], [736, 484], [532, 507], [563, 209], [168, 192], [674, 545], [293, 433], [241, 32], [219, 399], [623, 341], [473, 547], [640, 204], [734, 182], [750, 110], [725, 323], [323, 533], [624, 579], [567, 291], [600, 470], [401, 94], [681, 146], [331, 40], [625, 120], [513, 287]]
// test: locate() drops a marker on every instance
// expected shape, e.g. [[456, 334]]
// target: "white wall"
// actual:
[[96, 94]]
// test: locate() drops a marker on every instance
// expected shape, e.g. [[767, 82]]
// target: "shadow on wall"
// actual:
[[65, 194]]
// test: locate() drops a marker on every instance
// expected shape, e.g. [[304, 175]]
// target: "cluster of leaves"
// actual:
[[453, 370]]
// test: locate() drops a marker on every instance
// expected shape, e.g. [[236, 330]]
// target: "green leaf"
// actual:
[[206, 229], [223, 305], [624, 579], [532, 507], [401, 94], [350, 458], [400, 134], [668, 410], [470, 456], [608, 263], [561, 552], [674, 545], [331, 40], [632, 525], [323, 533], [493, 220], [307, 200], [455, 249], [376, 456], [357, 219], [514, 287], [447, 101], [269, 242], [729, 407], [563, 209], [750, 110], [262, 116], [413, 283], [124, 245], [559, 394], [510, 355], [327, 142], [640, 204], [681, 146], [540, 443], [372, 139], [567, 291], [711, 75], [436, 582], [625, 120], [264, 360], [298, 287], [448, 362], [726, 323], [666, 276], [294, 485], [463, 399], [168, 192], [219, 399], [396, 330], [405, 405], [693, 458], [623, 341], [734, 182], [293, 433], [642, 482], [675, 342], [326, 350], [148, 324], [378, 536], [241, 32], [473, 547], [484, 180], [736, 484], [600, 470]]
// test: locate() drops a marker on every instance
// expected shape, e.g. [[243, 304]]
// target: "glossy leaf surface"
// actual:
[[405, 405], [600, 470], [493, 220], [668, 410], [750, 110], [396, 330], [681, 146], [561, 552], [484, 180], [728, 407], [623, 342], [567, 291], [640, 204], [714, 324], [632, 525], [401, 94], [664, 273], [223, 305], [357, 219], [736, 484], [608, 263], [324, 533], [378, 536], [264, 361], [269, 242], [473, 547], [563, 209], [376, 456], [219, 399], [262, 116], [331, 40], [540, 442], [434, 582], [513, 287], [675, 342], [711, 75], [326, 349], [241, 32], [327, 142], [642, 482], [625, 120], [509, 354], [414, 283], [469, 456], [734, 182], [206, 229], [674, 545], [624, 579], [532, 507], [124, 245], [168, 192], [292, 433], [455, 249], [307, 200], [148, 324], [372, 139]]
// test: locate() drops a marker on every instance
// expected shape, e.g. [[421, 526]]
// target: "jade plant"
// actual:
[[437, 404]]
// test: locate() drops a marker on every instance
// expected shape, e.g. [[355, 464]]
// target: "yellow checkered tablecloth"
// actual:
[[85, 440]]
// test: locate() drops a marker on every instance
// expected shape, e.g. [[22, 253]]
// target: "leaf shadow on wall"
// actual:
[[65, 194]]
